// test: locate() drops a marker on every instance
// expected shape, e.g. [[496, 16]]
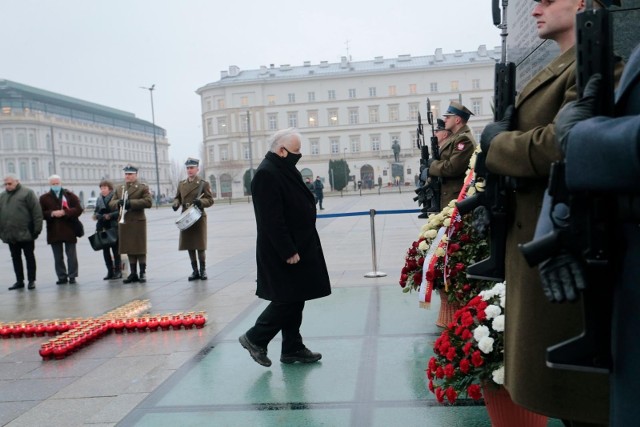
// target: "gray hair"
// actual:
[[12, 176], [283, 136], [55, 177]]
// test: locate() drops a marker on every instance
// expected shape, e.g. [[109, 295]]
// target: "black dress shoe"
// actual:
[[259, 354], [17, 285], [303, 356], [32, 284], [62, 282], [132, 278], [72, 281]]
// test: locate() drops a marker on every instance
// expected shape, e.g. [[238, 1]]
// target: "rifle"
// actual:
[[428, 191], [584, 234], [492, 202]]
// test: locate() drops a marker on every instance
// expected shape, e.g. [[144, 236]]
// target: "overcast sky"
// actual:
[[103, 51]]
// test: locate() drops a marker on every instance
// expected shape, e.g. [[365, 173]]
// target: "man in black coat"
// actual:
[[291, 265]]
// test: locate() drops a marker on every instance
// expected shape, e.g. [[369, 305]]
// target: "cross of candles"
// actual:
[[70, 335]]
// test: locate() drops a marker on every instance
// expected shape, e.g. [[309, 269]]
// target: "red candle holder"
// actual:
[[46, 351], [5, 331], [200, 320], [153, 323], [165, 323], [131, 325], [40, 329], [142, 323], [176, 321]]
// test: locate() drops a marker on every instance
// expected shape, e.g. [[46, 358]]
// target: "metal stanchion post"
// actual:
[[375, 272]]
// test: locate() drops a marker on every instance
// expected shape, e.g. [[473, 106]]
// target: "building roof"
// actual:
[[18, 95], [235, 76]]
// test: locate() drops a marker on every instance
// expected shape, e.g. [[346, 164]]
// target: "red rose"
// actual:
[[466, 288], [404, 270], [476, 359], [402, 284], [412, 251], [459, 266], [439, 373], [417, 277], [451, 395], [473, 391], [466, 334], [467, 347], [433, 364], [421, 261], [449, 370], [415, 244], [464, 366], [439, 395], [451, 353], [431, 386], [453, 248], [465, 238], [481, 315]]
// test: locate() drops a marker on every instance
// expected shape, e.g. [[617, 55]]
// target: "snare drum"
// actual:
[[188, 218]]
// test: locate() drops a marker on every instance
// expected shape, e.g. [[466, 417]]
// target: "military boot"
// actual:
[[109, 275], [203, 271], [143, 273], [133, 277], [195, 275]]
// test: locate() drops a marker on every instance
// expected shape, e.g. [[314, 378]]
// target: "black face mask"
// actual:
[[292, 158]]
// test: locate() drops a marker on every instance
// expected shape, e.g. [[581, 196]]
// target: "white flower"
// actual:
[[498, 323], [486, 345], [492, 311], [430, 234], [480, 332], [446, 222], [498, 375], [487, 294], [423, 246], [502, 301], [471, 191], [500, 288], [439, 252]]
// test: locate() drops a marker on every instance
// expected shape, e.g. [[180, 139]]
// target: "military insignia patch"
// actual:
[[460, 146]]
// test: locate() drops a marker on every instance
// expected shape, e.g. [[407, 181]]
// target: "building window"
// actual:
[[212, 156], [413, 89], [243, 123], [209, 126], [220, 103], [315, 146], [332, 113], [244, 101], [352, 93], [413, 111], [476, 106], [11, 167], [331, 94], [271, 100], [7, 137], [454, 85], [433, 87], [372, 92], [246, 154], [375, 142], [353, 116], [311, 96], [224, 153], [22, 141], [292, 98], [312, 118], [222, 125], [374, 116], [23, 171], [208, 103], [435, 108], [292, 119], [32, 141], [392, 90], [272, 120], [394, 114], [475, 84], [334, 143], [354, 143]]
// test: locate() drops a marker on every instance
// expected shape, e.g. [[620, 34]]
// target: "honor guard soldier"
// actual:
[[455, 152], [194, 191], [132, 198]]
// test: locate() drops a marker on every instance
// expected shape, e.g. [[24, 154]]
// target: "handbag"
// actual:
[[78, 228], [103, 239]]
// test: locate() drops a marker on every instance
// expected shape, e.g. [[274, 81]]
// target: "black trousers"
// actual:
[[16, 256], [279, 316]]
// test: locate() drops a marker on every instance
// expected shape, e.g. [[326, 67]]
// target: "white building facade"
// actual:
[[43, 133], [347, 110]]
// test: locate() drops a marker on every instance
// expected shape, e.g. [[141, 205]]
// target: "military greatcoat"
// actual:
[[132, 234], [455, 154], [194, 237], [532, 322]]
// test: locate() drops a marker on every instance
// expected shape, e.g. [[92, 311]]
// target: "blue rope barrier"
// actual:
[[385, 212]]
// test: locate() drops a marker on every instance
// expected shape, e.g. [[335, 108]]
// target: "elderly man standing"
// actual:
[[20, 226], [291, 266], [133, 198], [61, 208], [194, 191]]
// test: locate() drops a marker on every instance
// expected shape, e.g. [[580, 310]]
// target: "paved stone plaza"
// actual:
[[374, 339]]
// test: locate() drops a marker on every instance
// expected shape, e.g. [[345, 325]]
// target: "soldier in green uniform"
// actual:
[[455, 153], [194, 191], [133, 198]]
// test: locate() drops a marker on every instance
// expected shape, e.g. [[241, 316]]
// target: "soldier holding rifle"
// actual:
[[132, 198], [194, 191], [522, 145]]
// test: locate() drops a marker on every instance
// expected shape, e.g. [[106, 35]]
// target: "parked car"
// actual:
[[91, 203]]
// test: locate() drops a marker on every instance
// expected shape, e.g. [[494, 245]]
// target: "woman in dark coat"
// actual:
[[107, 218], [290, 261]]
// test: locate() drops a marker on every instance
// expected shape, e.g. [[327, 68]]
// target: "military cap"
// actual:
[[192, 162], [440, 125], [457, 109], [130, 169]]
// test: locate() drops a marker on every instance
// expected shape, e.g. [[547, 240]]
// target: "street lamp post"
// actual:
[[155, 143]]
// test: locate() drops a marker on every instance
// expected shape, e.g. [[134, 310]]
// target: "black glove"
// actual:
[[576, 111], [562, 277], [198, 203], [493, 129], [175, 207], [121, 203], [127, 205]]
